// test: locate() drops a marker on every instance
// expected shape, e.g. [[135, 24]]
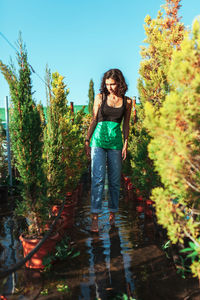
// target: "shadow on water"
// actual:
[[121, 262]]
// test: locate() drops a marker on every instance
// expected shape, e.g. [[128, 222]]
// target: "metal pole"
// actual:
[[8, 140]]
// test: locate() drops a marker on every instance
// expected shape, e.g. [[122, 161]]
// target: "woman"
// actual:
[[111, 106]]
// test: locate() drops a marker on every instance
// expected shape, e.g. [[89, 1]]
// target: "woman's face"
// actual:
[[111, 86]]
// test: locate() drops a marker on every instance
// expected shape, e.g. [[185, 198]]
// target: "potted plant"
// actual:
[[27, 146], [74, 153], [54, 146], [63, 147], [54, 138]]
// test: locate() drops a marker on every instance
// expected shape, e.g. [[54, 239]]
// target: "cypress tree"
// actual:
[[163, 34], [54, 137], [65, 158], [26, 141], [175, 148], [91, 96]]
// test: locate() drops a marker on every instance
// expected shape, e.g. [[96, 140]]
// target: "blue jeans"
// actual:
[[99, 158]]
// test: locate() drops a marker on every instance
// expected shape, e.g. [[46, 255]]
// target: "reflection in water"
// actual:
[[107, 266], [117, 272], [112, 264], [8, 256], [109, 275], [100, 269]]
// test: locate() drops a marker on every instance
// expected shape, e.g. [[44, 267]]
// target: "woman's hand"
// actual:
[[87, 149], [124, 150]]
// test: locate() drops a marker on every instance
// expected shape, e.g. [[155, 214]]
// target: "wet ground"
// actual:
[[122, 262]]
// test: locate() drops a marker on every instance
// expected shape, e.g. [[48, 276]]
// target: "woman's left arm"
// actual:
[[126, 126]]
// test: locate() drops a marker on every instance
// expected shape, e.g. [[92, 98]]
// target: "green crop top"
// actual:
[[107, 133]]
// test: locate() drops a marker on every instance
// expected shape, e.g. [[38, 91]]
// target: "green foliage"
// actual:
[[143, 175], [54, 138], [182, 267], [194, 250], [63, 139], [49, 156], [175, 147], [163, 34], [62, 288], [44, 292], [74, 152], [165, 247], [63, 251], [26, 136], [3, 161], [124, 297], [91, 96]]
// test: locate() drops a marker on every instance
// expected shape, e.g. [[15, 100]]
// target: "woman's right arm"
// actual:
[[97, 104]]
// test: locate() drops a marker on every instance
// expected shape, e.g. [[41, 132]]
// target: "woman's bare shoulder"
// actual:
[[98, 99], [99, 96]]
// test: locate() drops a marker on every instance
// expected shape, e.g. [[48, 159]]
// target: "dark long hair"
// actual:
[[116, 75]]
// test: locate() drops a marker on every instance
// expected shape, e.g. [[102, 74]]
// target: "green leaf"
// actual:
[[76, 254], [185, 250]]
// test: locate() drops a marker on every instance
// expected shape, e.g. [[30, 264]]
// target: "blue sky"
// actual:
[[81, 39]]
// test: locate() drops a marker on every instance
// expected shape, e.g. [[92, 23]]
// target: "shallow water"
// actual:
[[121, 262]]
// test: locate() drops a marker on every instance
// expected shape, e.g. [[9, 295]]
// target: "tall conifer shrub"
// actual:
[[26, 141], [91, 96], [175, 148], [54, 137], [163, 34], [65, 159]]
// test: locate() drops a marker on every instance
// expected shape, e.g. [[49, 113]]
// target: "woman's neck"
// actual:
[[114, 100]]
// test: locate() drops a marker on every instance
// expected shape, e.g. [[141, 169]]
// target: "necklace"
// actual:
[[113, 101]]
